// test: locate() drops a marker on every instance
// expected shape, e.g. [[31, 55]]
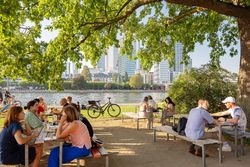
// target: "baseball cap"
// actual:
[[229, 100]]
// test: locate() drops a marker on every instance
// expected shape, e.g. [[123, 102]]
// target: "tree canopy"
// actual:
[[136, 81], [87, 27]]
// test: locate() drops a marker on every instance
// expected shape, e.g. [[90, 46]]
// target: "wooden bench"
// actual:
[[246, 135], [134, 116], [103, 153], [201, 143]]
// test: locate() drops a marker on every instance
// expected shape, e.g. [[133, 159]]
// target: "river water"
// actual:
[[120, 97]]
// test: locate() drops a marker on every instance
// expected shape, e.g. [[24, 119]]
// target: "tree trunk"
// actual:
[[244, 72]]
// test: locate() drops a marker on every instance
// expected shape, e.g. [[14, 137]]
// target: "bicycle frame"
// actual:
[[104, 107]]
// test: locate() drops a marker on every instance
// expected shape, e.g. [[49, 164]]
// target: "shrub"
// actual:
[[208, 82]]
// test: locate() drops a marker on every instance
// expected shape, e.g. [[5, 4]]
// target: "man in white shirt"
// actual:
[[238, 117]]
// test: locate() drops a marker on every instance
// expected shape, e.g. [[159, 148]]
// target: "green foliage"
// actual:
[[78, 83], [85, 29], [125, 77], [136, 81], [86, 73], [208, 83]]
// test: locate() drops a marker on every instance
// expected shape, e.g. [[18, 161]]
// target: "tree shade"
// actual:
[[88, 27]]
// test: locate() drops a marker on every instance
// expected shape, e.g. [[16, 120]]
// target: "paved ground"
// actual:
[[135, 148]]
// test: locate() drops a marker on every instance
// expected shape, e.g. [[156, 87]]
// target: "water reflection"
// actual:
[[53, 98]]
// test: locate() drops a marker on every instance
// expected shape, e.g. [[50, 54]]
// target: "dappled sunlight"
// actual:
[[127, 144], [104, 134]]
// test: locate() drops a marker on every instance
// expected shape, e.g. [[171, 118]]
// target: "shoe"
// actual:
[[226, 148]]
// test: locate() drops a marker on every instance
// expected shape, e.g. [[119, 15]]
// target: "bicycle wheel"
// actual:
[[114, 110], [94, 111]]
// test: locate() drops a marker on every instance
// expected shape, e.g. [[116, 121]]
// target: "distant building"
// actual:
[[71, 70], [101, 64], [162, 72], [178, 66], [111, 60]]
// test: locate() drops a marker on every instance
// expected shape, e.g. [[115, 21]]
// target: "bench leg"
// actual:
[[242, 151], [167, 136], [203, 156], [107, 161], [236, 142], [154, 135]]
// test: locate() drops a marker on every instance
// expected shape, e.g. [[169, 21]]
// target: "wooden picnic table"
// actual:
[[46, 135]]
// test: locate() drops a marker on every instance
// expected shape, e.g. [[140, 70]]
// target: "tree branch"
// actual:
[[183, 15], [228, 9], [123, 6]]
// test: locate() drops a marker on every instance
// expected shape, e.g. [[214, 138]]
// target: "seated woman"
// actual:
[[71, 129], [12, 149], [31, 116], [143, 107], [145, 111], [169, 110]]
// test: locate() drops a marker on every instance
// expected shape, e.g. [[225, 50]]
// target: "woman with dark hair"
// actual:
[[71, 129], [169, 110], [12, 140], [31, 116]]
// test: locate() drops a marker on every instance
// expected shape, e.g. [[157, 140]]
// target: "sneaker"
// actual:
[[226, 148]]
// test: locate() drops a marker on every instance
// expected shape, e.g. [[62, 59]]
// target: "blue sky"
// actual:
[[201, 56]]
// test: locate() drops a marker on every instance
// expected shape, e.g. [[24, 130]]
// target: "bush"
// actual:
[[208, 83]]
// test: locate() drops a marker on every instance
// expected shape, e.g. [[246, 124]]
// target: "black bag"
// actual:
[[180, 128]]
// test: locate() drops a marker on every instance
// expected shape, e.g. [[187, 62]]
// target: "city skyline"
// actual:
[[199, 56]]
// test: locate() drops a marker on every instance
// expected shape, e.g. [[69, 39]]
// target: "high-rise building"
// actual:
[[71, 70], [125, 64], [178, 66], [162, 72], [101, 64], [111, 60]]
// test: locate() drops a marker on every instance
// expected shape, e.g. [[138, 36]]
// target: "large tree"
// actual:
[[89, 26]]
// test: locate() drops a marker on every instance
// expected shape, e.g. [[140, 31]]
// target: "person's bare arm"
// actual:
[[22, 140], [220, 114]]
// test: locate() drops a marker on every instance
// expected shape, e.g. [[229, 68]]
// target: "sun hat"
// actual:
[[229, 100]]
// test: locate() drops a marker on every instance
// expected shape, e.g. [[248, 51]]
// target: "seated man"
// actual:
[[238, 117], [195, 126]]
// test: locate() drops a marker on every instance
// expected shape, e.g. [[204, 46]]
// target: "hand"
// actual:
[[34, 134], [63, 119], [221, 119]]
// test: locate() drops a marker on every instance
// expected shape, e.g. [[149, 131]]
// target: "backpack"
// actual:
[[180, 128]]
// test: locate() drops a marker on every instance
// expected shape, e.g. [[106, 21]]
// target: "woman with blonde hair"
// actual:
[[12, 141], [72, 130]]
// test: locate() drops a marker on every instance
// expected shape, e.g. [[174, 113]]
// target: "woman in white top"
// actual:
[[146, 112]]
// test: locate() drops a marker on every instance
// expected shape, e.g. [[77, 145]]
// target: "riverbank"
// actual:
[[88, 91]]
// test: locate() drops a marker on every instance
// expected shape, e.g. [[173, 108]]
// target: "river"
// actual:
[[120, 97]]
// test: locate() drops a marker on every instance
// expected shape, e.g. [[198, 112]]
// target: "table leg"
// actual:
[[60, 153], [26, 155]]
